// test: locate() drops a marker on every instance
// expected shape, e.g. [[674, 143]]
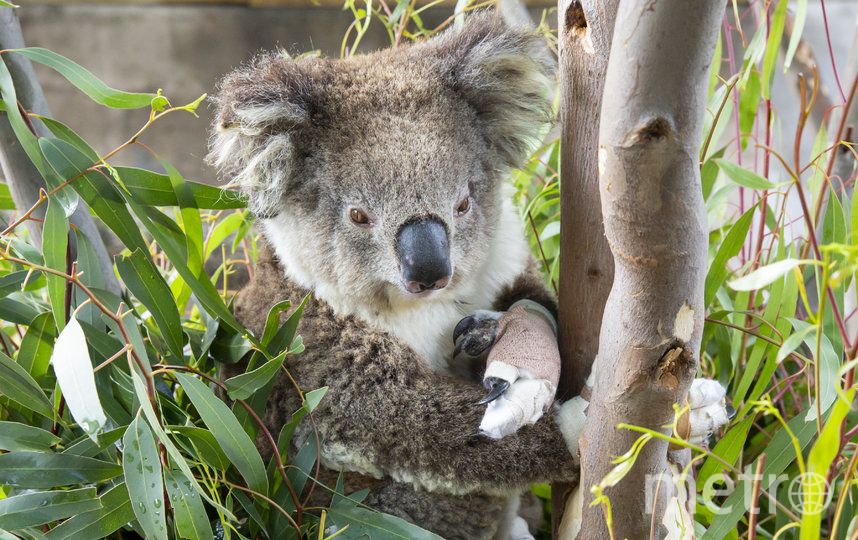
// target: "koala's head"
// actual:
[[381, 175]]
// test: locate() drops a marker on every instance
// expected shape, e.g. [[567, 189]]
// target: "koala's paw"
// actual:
[[709, 410], [523, 402], [476, 333]]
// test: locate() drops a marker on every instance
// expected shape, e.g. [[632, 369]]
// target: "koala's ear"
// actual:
[[261, 110], [505, 74]]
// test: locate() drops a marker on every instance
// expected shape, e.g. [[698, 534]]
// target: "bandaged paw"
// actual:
[[524, 402], [707, 411]]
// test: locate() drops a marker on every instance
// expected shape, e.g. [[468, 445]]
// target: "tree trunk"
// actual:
[[586, 264], [22, 177], [655, 222]]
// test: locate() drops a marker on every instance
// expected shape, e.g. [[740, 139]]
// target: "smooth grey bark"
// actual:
[[22, 177], [586, 264], [655, 223]]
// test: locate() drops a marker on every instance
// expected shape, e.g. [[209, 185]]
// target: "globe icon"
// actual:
[[808, 493]]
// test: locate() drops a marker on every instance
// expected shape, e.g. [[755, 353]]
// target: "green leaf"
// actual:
[[828, 361], [728, 249], [743, 176], [243, 386], [63, 132], [773, 46], [37, 470], [205, 445], [55, 237], [727, 449], [366, 523], [17, 385], [797, 28], [792, 342], [822, 454], [172, 241], [28, 141], [115, 512], [86, 81], [222, 230], [37, 345], [225, 427], [153, 189], [146, 283], [76, 379], [286, 335], [780, 453], [174, 453], [95, 189], [21, 437], [3, 3], [748, 105], [6, 202], [41, 507], [188, 511], [142, 466], [765, 275]]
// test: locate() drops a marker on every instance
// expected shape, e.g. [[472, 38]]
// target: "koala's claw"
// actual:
[[495, 387], [476, 333]]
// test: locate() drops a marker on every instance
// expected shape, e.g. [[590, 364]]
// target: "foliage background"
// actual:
[[110, 423]]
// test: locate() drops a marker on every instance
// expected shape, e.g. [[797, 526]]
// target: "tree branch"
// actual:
[[22, 177], [586, 264], [655, 222]]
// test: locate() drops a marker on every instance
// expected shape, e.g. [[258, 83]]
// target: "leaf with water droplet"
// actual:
[[145, 484], [188, 511]]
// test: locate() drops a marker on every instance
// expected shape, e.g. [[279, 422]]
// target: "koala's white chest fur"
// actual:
[[427, 324]]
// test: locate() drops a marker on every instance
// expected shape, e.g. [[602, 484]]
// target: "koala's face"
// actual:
[[392, 203], [380, 176]]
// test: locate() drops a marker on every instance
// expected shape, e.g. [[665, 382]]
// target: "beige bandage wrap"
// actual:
[[525, 355], [526, 345]]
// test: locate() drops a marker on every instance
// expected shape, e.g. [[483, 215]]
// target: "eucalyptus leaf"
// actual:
[[76, 379]]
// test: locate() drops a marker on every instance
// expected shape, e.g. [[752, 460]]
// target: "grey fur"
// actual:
[[401, 134]]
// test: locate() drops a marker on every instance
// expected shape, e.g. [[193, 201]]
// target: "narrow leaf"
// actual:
[[37, 470], [17, 385], [743, 176], [728, 249], [21, 437], [6, 202], [765, 275], [243, 386], [73, 369], [153, 189], [228, 432], [55, 237], [37, 346], [773, 47], [142, 467], [188, 511], [115, 512], [145, 282], [86, 81], [33, 509]]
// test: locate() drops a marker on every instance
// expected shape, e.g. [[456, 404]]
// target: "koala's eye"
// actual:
[[359, 217], [463, 206]]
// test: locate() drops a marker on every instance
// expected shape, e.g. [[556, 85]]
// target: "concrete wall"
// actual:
[[182, 49]]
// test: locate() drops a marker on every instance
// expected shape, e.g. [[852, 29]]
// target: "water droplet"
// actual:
[[157, 503], [142, 507], [44, 503]]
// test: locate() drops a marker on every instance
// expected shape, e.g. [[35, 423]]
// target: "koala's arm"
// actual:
[[529, 285], [387, 414]]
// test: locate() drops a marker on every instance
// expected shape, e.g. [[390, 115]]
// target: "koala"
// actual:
[[379, 185]]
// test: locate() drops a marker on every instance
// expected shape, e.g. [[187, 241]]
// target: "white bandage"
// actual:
[[523, 403]]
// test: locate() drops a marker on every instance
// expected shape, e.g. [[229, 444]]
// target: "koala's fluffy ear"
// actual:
[[505, 74], [261, 109]]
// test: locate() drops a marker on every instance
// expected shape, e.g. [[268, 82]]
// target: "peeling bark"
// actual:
[[586, 264], [655, 223]]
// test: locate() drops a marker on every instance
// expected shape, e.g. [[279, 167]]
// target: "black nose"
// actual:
[[424, 255]]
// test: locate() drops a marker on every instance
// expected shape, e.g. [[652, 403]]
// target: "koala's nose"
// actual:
[[424, 255]]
